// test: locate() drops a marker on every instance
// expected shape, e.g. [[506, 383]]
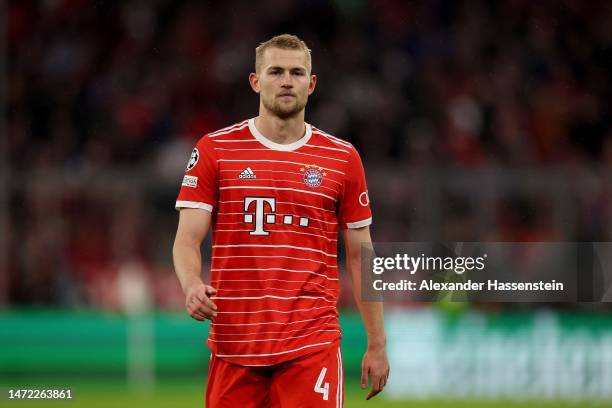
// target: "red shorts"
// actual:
[[314, 380]]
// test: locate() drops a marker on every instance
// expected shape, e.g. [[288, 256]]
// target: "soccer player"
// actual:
[[275, 191]]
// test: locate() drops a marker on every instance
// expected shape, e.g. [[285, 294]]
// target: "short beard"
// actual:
[[281, 113]]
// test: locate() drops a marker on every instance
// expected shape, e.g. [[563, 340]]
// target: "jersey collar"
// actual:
[[279, 146]]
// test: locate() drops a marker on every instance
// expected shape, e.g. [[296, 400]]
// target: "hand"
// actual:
[[198, 303], [375, 365]]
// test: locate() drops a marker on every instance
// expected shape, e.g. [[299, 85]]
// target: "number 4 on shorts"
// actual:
[[321, 388]]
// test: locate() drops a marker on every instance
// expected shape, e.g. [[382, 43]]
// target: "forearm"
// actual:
[[187, 263], [371, 312]]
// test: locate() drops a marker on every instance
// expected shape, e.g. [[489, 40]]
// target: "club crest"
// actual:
[[313, 175]]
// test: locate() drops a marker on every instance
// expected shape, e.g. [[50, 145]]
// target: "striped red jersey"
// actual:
[[275, 209]]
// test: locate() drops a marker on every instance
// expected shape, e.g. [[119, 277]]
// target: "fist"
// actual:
[[198, 303]]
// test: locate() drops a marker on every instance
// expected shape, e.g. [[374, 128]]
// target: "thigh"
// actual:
[[316, 380], [230, 385]]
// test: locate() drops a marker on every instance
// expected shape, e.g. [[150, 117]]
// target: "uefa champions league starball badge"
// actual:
[[193, 160], [313, 175]]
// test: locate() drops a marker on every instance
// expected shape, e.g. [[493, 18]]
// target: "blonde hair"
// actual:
[[284, 42]]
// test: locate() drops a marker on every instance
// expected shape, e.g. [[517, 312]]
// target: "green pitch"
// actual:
[[189, 394]]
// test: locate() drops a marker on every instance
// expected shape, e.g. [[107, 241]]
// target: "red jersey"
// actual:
[[275, 209]]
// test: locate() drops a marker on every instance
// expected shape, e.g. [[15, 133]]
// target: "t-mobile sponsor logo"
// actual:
[[265, 214]]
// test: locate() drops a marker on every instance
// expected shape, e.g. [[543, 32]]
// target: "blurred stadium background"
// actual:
[[476, 120]]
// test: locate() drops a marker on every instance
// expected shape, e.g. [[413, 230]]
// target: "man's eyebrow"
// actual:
[[275, 67]]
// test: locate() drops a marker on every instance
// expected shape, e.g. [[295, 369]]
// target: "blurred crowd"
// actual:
[[477, 120]]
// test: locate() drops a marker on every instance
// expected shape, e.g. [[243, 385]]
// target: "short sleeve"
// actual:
[[200, 182], [354, 208]]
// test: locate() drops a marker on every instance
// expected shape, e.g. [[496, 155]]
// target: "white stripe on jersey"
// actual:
[[332, 138], [242, 223], [274, 354], [294, 232], [276, 256], [235, 125], [231, 129], [275, 269], [283, 202], [289, 151], [301, 183], [278, 171], [278, 311], [337, 142], [235, 140], [282, 339], [273, 279], [314, 235], [276, 332], [270, 297], [276, 161], [325, 291], [329, 148], [273, 246], [310, 227], [272, 288], [275, 188], [260, 323], [282, 214]]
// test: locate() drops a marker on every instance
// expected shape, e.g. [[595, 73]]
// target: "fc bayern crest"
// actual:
[[313, 176]]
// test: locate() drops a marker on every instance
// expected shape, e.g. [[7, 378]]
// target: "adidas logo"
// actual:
[[247, 174]]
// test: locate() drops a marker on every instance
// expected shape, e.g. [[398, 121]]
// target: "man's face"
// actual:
[[283, 81]]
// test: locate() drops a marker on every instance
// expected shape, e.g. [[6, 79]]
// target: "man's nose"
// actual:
[[286, 81]]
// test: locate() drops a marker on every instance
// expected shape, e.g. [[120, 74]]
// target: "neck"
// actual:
[[282, 131]]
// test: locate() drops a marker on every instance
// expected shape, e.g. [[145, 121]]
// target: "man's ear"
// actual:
[[312, 84], [254, 81]]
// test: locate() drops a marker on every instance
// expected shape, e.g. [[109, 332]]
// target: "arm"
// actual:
[[192, 229], [375, 364]]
